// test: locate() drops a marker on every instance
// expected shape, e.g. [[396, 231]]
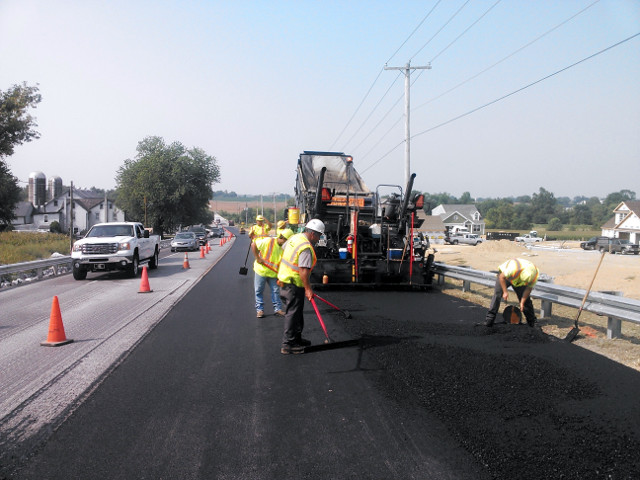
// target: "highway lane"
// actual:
[[207, 394], [104, 315]]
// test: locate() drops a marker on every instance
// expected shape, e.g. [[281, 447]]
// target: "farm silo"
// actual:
[[37, 188]]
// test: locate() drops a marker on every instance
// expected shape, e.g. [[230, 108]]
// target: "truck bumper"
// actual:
[[103, 263]]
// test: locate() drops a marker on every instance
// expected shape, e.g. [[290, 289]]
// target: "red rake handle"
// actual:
[[326, 301], [324, 328]]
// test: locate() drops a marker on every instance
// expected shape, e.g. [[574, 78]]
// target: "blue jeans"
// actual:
[[258, 285]]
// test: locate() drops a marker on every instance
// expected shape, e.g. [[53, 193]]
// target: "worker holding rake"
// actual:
[[268, 252], [298, 259]]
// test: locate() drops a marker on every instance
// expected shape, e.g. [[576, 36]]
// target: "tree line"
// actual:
[[540, 208]]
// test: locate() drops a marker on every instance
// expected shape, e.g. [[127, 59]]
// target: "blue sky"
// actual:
[[254, 83]]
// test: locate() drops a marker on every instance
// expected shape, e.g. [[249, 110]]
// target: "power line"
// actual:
[[507, 57], [505, 96], [380, 73]]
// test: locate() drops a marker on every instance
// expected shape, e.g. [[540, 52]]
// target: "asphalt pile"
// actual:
[[526, 405]]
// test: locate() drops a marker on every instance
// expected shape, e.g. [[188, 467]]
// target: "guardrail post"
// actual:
[[545, 308], [466, 285], [614, 325], [440, 279]]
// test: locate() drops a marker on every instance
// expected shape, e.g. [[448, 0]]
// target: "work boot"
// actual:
[[292, 349], [260, 314], [531, 323], [304, 342], [279, 313]]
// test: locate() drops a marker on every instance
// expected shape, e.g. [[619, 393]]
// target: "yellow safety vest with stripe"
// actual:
[[271, 253], [289, 271], [258, 231], [520, 272]]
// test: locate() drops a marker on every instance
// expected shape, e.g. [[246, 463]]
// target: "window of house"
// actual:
[[55, 203], [101, 205], [97, 216], [115, 216]]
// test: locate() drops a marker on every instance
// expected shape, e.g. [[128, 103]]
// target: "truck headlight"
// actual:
[[76, 248], [124, 246]]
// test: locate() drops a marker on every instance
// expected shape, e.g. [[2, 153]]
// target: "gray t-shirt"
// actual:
[[305, 259]]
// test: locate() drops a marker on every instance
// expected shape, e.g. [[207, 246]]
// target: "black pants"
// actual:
[[529, 313], [293, 305]]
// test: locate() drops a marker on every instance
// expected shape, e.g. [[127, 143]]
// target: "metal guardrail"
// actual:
[[610, 304], [41, 267]]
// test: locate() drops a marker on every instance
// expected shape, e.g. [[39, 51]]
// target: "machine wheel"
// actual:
[[153, 261], [79, 274], [134, 268]]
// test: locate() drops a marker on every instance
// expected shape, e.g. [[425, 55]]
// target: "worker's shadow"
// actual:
[[363, 343]]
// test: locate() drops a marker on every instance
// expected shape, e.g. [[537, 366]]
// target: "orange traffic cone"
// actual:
[[56, 335], [144, 283], [208, 248], [185, 264], [202, 252]]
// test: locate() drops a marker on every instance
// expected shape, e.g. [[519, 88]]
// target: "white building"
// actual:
[[466, 216], [625, 222]]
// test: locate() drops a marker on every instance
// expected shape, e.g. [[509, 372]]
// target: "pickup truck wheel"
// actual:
[[153, 262], [79, 274], [455, 242], [134, 267], [602, 249]]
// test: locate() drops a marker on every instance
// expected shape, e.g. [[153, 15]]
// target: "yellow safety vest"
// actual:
[[520, 272], [258, 231], [271, 253], [289, 272]]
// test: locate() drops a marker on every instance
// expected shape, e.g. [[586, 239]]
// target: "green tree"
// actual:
[[167, 185], [54, 227], [543, 206], [500, 216], [17, 126], [9, 195], [555, 225]]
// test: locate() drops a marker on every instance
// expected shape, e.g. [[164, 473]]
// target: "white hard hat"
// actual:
[[315, 225]]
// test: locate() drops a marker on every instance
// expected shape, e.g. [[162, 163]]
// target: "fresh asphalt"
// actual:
[[208, 395]]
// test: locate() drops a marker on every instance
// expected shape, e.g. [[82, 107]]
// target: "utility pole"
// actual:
[[407, 135]]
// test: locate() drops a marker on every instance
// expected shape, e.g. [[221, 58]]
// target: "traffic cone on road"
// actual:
[[208, 248], [202, 252], [144, 283], [185, 264], [56, 336]]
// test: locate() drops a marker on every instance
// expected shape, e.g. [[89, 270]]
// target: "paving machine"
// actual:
[[368, 234]]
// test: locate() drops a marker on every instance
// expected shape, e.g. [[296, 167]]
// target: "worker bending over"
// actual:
[[522, 276]]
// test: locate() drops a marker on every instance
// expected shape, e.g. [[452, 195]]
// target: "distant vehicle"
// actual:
[[184, 241], [217, 232], [467, 239], [590, 244], [242, 230], [617, 245], [531, 237], [200, 232], [231, 223]]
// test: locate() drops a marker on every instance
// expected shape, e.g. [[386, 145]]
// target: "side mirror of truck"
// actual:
[[146, 234]]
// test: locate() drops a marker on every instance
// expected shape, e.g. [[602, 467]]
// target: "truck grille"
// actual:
[[100, 248]]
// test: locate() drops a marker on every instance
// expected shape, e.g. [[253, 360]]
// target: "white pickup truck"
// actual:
[[466, 238], [531, 237], [114, 246]]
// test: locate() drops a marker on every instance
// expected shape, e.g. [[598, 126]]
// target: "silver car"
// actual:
[[185, 241]]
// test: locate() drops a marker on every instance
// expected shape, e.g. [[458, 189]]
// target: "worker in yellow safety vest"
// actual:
[[280, 226], [298, 259], [522, 276], [268, 252], [260, 229]]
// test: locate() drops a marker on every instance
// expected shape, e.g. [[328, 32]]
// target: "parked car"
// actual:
[[617, 245], [184, 241]]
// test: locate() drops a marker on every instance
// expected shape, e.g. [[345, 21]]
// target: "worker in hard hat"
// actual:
[[522, 276], [260, 229], [268, 252], [298, 259], [280, 226]]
